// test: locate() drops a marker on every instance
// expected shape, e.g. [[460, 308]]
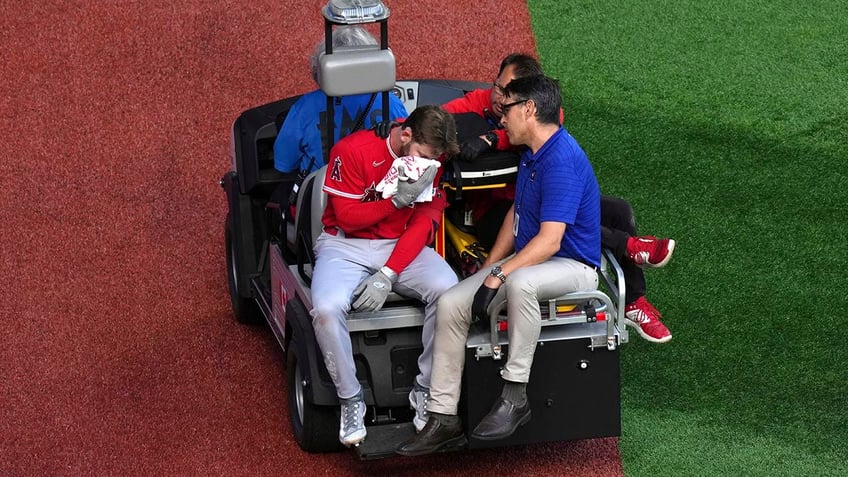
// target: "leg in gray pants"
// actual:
[[341, 264]]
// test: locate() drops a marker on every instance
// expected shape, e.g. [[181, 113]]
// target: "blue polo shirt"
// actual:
[[299, 143], [557, 184]]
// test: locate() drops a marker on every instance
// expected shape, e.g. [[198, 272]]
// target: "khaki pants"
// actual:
[[522, 291]]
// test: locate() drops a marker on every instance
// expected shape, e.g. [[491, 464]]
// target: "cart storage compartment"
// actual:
[[573, 388]]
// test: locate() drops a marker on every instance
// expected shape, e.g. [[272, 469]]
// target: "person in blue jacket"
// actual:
[[299, 146]]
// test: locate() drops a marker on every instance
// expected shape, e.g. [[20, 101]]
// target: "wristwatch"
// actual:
[[497, 272]]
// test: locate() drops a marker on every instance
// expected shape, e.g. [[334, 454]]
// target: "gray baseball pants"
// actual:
[[341, 264]]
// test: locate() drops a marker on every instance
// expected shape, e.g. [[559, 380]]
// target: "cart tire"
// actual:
[[315, 428], [245, 309]]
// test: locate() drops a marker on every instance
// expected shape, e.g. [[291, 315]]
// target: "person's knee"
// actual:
[[329, 310], [521, 283], [451, 305]]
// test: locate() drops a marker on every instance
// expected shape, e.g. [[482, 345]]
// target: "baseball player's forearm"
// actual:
[[353, 215], [420, 232], [416, 236]]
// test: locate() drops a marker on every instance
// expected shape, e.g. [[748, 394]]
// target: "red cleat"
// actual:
[[646, 319], [650, 252]]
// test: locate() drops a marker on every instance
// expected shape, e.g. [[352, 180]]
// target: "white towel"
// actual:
[[413, 167]]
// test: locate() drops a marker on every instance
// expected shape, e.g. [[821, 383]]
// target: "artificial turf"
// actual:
[[724, 124]]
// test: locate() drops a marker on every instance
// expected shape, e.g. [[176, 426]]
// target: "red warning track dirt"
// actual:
[[118, 351]]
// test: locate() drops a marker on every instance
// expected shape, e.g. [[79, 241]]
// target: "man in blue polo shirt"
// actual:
[[549, 245]]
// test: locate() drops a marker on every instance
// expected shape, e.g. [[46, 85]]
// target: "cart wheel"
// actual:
[[315, 428], [245, 309]]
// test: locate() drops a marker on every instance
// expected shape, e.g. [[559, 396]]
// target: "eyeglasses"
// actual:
[[498, 88], [505, 107]]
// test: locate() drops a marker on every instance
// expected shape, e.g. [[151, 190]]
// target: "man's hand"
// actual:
[[408, 191], [372, 292], [383, 128], [469, 150], [480, 305]]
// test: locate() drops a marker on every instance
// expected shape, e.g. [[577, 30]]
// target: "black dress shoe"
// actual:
[[435, 436], [502, 420]]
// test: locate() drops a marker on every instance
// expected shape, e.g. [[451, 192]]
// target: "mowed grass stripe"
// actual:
[[725, 124]]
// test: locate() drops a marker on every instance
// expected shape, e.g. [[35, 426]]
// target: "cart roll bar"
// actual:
[[355, 70]]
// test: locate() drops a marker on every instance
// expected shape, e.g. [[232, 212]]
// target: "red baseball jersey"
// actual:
[[357, 164]]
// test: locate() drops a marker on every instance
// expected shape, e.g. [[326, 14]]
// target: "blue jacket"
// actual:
[[299, 143]]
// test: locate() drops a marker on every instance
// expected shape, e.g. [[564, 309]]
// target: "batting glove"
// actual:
[[408, 191], [372, 292]]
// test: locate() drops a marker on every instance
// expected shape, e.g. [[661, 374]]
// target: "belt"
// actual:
[[334, 231]]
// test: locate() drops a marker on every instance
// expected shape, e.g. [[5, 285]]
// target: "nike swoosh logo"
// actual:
[[375, 163]]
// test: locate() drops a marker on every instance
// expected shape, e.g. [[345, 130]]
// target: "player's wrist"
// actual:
[[400, 202], [389, 273], [498, 273]]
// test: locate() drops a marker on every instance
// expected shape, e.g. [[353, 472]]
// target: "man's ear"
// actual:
[[405, 135], [531, 111]]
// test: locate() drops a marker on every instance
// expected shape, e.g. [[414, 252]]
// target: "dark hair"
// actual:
[[543, 91], [435, 127], [523, 65]]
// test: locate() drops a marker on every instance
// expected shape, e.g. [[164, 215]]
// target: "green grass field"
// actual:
[[725, 123]]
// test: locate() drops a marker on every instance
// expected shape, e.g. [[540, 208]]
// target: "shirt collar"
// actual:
[[389, 146], [547, 145]]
